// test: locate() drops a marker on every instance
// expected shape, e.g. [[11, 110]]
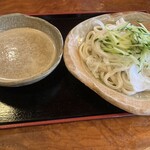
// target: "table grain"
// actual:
[[117, 133]]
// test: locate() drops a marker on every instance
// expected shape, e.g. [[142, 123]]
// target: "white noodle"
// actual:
[[108, 68]]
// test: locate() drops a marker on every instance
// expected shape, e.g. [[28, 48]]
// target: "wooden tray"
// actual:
[[58, 98]]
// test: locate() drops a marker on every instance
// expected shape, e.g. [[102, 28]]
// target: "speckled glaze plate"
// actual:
[[139, 103], [30, 49]]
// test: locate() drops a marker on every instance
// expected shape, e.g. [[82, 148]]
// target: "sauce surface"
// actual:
[[25, 52]]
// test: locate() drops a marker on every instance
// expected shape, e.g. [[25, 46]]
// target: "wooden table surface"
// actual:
[[117, 133]]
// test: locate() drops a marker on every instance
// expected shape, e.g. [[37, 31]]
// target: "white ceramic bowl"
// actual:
[[30, 49], [138, 104]]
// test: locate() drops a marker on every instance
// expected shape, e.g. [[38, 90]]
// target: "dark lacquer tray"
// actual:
[[60, 97]]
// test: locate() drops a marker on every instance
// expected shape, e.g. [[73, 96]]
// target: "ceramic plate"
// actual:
[[139, 103]]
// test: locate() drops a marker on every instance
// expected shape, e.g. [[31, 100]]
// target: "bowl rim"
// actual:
[[39, 76]]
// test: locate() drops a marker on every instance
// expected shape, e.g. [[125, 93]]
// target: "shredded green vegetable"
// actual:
[[129, 40]]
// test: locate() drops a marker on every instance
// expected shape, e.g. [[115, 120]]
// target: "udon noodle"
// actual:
[[113, 57]]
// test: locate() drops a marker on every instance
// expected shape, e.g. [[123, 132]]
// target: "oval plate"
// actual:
[[139, 103]]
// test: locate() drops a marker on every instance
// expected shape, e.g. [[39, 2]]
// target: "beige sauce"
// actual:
[[25, 52]]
